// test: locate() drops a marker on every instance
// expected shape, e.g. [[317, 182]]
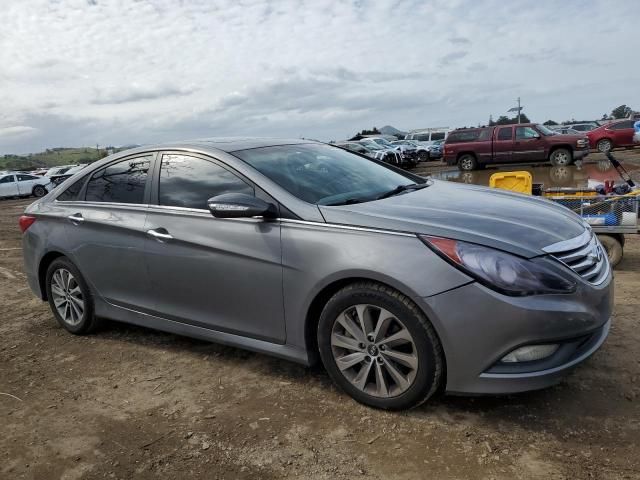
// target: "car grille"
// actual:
[[586, 257]]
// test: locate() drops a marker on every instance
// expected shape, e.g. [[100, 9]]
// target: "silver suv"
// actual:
[[401, 285]]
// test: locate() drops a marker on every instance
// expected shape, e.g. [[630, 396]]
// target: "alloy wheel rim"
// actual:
[[604, 146], [561, 158], [466, 164], [67, 296], [374, 351]]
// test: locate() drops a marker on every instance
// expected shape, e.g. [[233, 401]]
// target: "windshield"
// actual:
[[382, 141], [545, 131], [322, 174], [372, 146]]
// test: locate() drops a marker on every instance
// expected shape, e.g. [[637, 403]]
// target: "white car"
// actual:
[[18, 184]]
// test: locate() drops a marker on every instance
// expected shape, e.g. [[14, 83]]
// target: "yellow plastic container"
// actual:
[[521, 182]]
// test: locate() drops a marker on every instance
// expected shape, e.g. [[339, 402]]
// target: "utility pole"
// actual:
[[517, 109]]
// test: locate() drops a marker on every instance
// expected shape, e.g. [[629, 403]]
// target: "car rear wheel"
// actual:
[[69, 297], [561, 157], [613, 247], [379, 347], [467, 163], [39, 191], [605, 145]]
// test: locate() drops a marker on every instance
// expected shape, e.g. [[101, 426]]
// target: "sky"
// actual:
[[87, 72]]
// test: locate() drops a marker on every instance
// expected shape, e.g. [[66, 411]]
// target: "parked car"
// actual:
[[612, 135], [59, 170], [408, 157], [57, 179], [375, 151], [435, 149], [583, 127], [18, 184], [471, 148], [567, 131], [422, 152], [403, 286], [428, 136]]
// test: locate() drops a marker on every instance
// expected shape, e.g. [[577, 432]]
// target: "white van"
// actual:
[[428, 136]]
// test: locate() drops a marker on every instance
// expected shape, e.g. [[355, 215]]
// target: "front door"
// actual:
[[528, 145], [8, 186], [222, 274]]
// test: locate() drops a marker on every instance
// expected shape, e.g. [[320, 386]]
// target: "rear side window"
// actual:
[[72, 192], [437, 136], [189, 182], [505, 133], [622, 125], [461, 136], [7, 179], [122, 182], [24, 178]]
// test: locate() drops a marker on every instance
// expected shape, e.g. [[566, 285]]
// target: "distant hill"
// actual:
[[53, 157], [389, 130]]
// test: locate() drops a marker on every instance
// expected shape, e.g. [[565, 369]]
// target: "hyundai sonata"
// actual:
[[401, 285]]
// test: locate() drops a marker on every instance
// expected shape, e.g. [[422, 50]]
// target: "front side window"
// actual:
[[323, 175], [122, 182], [505, 134], [437, 136], [189, 182], [525, 133]]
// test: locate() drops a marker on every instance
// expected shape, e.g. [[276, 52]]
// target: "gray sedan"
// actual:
[[402, 286]]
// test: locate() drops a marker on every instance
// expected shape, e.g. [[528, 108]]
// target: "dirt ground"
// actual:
[[132, 403]]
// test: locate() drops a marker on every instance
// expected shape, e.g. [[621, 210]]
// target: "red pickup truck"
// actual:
[[472, 148]]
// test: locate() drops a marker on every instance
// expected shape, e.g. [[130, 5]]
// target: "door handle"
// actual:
[[160, 236], [76, 218]]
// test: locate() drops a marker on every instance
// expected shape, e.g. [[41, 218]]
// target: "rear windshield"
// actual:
[[476, 135]]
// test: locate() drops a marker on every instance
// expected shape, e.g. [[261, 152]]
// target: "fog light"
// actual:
[[530, 353]]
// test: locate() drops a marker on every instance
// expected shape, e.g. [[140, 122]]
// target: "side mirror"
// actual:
[[239, 205]]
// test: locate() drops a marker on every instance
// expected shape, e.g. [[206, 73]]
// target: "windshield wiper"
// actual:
[[402, 188], [348, 201]]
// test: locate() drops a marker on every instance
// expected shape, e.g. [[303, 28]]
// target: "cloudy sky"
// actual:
[[81, 72]]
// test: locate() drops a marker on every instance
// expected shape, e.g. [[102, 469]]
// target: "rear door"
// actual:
[[528, 146], [503, 144], [105, 229], [622, 133], [8, 186], [26, 183], [222, 274]]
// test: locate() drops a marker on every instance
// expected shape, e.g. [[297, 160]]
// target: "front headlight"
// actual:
[[498, 270], [582, 142]]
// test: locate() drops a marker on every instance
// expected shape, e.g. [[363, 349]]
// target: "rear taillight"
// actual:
[[25, 222]]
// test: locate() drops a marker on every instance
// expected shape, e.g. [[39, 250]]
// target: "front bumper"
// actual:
[[580, 154], [478, 326]]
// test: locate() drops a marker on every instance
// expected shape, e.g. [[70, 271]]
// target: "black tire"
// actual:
[[423, 156], [87, 322], [604, 145], [613, 247], [561, 157], [39, 191], [428, 350], [467, 162]]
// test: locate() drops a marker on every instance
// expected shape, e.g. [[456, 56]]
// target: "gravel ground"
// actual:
[[132, 403]]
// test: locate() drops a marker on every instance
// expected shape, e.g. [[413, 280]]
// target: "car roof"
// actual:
[[225, 144]]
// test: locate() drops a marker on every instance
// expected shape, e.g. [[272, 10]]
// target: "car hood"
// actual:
[[508, 221]]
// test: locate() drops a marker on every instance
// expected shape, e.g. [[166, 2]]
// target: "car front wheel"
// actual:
[[561, 157], [379, 347], [604, 145]]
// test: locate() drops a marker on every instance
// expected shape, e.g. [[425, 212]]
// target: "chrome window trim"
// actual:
[[185, 210]]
